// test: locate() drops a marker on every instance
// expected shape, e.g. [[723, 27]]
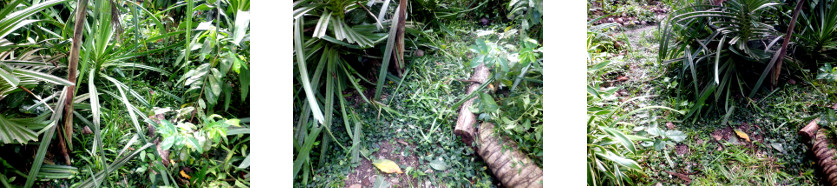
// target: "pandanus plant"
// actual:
[[716, 45], [329, 41]]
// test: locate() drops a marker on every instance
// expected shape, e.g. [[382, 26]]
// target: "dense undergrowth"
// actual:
[[745, 134], [374, 107], [140, 94]]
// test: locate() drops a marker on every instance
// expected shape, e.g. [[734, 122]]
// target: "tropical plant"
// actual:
[[609, 148], [23, 72], [337, 58], [817, 36], [222, 58], [528, 14], [828, 73], [716, 47], [509, 68]]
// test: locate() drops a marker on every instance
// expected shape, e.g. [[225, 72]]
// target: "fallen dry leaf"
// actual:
[[185, 175], [387, 166], [742, 135], [621, 78]]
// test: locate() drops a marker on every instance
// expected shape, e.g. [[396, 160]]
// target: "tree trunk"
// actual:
[[78, 30], [466, 121], [823, 154], [511, 166], [507, 162]]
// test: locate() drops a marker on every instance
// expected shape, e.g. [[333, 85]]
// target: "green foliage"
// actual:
[[527, 13], [659, 138], [221, 64], [828, 73], [332, 52], [611, 147], [520, 116], [185, 137], [714, 50], [817, 34], [509, 63], [124, 73]]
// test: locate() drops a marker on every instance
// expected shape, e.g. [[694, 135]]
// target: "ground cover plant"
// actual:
[[724, 117], [378, 86], [124, 93]]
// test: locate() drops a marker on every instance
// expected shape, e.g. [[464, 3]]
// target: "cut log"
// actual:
[[466, 121], [823, 154], [511, 166]]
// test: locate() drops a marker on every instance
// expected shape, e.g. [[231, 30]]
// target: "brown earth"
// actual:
[[366, 174]]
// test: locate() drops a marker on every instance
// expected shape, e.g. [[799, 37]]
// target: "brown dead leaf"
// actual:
[[670, 125], [621, 78], [86, 130]]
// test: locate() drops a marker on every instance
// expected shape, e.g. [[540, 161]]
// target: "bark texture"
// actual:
[[511, 166], [398, 53], [823, 154], [72, 71], [466, 120]]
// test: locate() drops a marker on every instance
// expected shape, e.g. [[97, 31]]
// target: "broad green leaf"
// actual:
[[244, 163], [488, 103], [621, 161], [624, 140], [439, 165], [381, 183], [677, 136], [242, 21]]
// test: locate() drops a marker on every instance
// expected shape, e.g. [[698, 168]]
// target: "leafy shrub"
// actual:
[[528, 14], [519, 114], [508, 67], [828, 73]]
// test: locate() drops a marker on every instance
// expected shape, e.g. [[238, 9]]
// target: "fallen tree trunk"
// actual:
[[506, 161], [511, 166], [466, 121], [823, 154]]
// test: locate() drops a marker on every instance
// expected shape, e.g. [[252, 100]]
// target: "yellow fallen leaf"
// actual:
[[742, 135], [185, 175], [387, 166]]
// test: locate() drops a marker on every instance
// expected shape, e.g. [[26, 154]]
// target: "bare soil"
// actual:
[[400, 152]]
